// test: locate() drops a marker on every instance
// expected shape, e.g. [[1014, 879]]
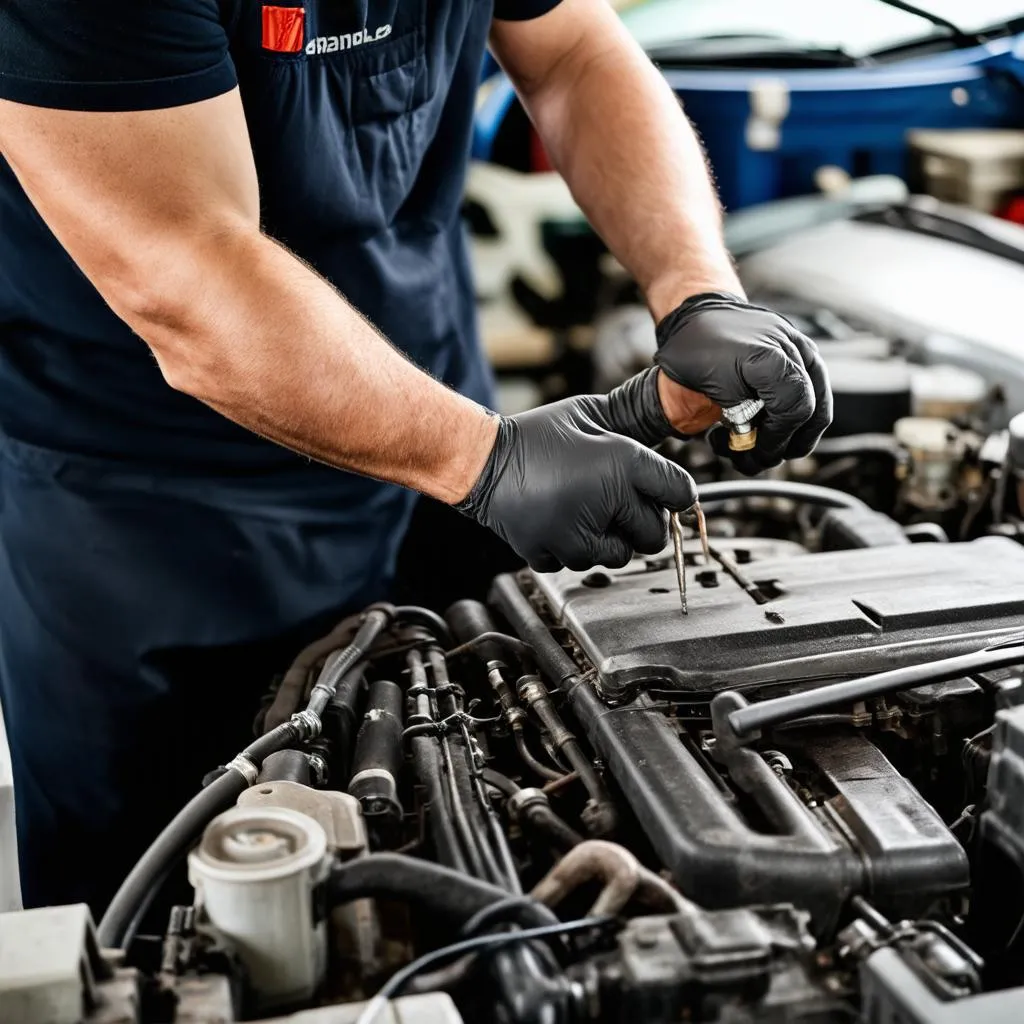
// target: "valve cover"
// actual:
[[830, 615]]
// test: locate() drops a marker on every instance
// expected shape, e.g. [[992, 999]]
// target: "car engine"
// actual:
[[803, 800]]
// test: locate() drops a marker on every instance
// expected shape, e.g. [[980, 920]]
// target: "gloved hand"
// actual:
[[564, 487], [730, 351]]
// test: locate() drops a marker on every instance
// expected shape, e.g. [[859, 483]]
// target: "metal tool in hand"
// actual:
[[677, 545], [742, 432]]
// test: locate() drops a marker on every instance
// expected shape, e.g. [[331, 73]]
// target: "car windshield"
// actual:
[[857, 27]]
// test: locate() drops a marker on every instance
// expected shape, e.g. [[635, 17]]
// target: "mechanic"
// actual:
[[269, 197]]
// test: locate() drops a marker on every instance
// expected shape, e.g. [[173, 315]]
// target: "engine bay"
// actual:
[[801, 801]]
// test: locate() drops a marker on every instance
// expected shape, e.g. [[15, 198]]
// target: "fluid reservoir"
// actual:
[[254, 872]]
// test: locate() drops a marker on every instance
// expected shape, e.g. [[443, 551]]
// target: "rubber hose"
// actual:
[[541, 819], [138, 889], [293, 685], [376, 619], [285, 766], [809, 494], [531, 762], [427, 619], [434, 888], [500, 782]]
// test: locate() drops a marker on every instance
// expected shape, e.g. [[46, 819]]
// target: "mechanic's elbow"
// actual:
[[163, 303], [165, 324]]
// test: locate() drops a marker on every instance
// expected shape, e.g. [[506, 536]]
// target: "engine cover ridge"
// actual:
[[833, 614]]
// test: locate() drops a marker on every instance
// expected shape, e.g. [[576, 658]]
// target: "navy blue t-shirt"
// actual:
[[360, 118]]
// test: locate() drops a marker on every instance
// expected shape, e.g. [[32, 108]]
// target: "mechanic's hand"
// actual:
[[730, 351], [563, 490]]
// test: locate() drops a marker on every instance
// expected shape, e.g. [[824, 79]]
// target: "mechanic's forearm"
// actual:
[[268, 343], [618, 135]]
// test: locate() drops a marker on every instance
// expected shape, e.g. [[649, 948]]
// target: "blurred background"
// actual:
[[871, 164]]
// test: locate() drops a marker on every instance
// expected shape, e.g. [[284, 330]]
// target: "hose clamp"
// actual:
[[327, 692], [308, 722], [241, 764]]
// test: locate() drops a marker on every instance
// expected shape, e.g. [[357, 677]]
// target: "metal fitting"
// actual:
[[742, 432], [534, 693], [525, 798], [308, 722], [515, 717], [318, 766], [246, 768]]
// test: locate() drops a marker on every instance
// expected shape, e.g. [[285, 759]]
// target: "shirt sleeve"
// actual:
[[522, 10], [113, 55]]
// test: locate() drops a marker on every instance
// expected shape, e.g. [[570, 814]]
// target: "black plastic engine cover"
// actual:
[[836, 614]]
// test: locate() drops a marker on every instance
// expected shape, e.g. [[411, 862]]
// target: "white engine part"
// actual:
[[254, 873], [947, 392], [936, 448], [947, 302]]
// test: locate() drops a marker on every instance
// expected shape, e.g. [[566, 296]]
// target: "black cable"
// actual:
[[482, 942], [507, 865], [472, 847], [426, 753], [517, 908], [500, 912]]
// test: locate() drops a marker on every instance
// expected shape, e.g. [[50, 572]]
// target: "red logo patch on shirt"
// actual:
[[284, 29]]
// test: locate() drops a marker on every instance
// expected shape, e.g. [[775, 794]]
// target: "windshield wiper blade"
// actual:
[[962, 37], [713, 50]]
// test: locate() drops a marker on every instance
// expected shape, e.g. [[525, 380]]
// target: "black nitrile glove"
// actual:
[[563, 487], [732, 351], [632, 409]]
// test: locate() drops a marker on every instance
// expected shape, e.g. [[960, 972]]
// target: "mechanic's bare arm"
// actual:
[[616, 132], [160, 209]]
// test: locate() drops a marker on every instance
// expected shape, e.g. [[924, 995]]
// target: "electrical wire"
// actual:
[[497, 913], [456, 973], [507, 866], [399, 979]]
